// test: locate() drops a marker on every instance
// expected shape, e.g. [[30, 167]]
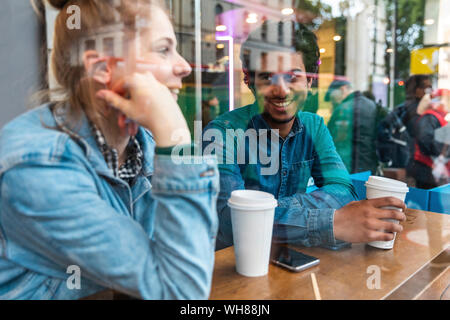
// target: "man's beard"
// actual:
[[299, 106], [267, 115]]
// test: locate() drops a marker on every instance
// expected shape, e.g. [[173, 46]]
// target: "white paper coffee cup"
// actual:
[[252, 215], [380, 187]]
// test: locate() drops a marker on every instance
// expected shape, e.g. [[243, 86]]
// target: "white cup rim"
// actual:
[[383, 181], [252, 200], [387, 188]]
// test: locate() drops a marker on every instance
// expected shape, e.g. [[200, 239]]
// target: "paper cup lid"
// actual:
[[382, 183], [252, 200]]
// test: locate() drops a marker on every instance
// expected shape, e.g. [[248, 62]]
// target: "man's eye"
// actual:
[[297, 75], [265, 76]]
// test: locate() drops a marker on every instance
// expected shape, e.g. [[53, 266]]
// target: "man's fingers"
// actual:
[[386, 226], [388, 202], [380, 236], [390, 214], [115, 100]]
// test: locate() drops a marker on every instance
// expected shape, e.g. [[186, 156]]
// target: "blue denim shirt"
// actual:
[[61, 206], [307, 152]]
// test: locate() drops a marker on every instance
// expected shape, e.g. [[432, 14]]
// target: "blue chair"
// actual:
[[358, 180], [418, 199], [440, 199]]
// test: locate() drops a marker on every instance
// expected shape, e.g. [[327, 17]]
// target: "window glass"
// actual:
[[360, 59]]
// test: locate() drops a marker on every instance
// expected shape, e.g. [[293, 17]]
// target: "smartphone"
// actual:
[[292, 260]]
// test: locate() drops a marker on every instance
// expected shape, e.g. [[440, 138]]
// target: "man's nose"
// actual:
[[280, 86]]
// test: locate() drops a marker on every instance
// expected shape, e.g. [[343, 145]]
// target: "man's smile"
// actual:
[[280, 105]]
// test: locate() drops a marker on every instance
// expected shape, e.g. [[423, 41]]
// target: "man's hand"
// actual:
[[361, 221]]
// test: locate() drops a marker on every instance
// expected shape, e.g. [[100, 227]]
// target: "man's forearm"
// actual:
[[307, 219]]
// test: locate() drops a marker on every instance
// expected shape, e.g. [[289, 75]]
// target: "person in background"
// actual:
[[210, 109], [83, 191], [353, 126], [427, 149], [300, 149], [416, 87]]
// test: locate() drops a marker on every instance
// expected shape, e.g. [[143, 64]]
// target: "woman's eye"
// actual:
[[164, 51]]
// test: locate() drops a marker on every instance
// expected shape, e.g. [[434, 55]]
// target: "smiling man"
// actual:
[[301, 146]]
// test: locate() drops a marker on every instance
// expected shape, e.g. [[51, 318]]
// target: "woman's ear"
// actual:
[[97, 67]]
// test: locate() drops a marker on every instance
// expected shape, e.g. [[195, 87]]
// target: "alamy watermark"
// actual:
[[374, 280], [73, 282], [233, 146], [74, 20]]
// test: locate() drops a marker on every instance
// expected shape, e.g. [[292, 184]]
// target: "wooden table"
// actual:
[[408, 271]]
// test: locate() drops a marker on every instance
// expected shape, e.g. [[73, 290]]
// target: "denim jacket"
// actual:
[[64, 214], [307, 152]]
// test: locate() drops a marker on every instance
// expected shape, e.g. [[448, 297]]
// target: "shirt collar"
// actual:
[[133, 164], [83, 135]]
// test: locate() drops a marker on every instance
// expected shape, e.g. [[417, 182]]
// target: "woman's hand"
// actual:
[[153, 106]]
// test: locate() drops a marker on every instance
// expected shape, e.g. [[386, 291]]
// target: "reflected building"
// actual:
[[352, 47], [228, 18], [225, 25], [366, 48]]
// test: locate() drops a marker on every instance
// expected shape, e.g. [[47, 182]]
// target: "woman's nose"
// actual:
[[182, 68]]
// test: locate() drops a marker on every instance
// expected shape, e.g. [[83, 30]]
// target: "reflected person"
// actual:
[[353, 126], [415, 89], [210, 109], [429, 152]]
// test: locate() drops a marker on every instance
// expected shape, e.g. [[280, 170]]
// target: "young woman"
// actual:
[[89, 201]]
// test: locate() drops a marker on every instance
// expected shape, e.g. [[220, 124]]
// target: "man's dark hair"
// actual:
[[303, 41], [413, 83]]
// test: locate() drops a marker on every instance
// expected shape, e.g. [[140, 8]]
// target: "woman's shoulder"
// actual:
[[31, 137]]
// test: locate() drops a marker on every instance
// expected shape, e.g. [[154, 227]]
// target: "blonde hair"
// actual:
[[75, 89]]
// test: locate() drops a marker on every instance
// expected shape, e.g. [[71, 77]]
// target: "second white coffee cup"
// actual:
[[252, 216], [380, 187]]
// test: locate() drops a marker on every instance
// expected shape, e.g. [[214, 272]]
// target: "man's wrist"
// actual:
[[320, 226], [336, 224]]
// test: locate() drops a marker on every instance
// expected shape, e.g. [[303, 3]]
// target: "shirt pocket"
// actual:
[[299, 175]]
